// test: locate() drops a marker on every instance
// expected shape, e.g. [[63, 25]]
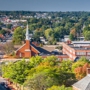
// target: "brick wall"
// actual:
[[24, 51]]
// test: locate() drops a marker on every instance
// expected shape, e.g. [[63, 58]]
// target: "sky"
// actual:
[[45, 5]]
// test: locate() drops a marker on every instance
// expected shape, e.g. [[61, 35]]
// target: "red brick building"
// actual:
[[72, 50], [77, 49], [27, 50]]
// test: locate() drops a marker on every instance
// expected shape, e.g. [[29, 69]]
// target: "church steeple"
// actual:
[[28, 52], [27, 33]]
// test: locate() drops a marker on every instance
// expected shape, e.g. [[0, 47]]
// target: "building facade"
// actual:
[[77, 49], [27, 50]]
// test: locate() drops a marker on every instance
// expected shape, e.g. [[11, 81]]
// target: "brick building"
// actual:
[[29, 49], [77, 49], [70, 50]]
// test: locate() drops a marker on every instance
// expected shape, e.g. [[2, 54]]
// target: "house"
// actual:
[[83, 84], [42, 39], [66, 38], [81, 38], [2, 38]]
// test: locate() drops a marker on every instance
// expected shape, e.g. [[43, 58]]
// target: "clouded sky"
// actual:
[[45, 5]]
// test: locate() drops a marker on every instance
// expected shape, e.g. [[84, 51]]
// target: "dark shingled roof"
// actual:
[[83, 84], [41, 50]]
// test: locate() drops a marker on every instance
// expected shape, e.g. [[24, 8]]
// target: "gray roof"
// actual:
[[88, 87], [83, 84], [81, 42], [79, 47]]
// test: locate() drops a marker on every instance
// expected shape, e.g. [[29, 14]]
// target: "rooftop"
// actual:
[[80, 42], [79, 47], [83, 84]]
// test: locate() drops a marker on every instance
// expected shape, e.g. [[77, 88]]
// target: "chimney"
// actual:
[[68, 42], [88, 71]]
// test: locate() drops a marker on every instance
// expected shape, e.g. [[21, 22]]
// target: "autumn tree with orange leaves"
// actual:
[[80, 72], [73, 34], [80, 68]]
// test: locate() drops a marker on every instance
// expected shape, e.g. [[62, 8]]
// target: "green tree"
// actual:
[[16, 72], [71, 36], [3, 32], [9, 26], [86, 32], [79, 63], [59, 88], [40, 82], [59, 32], [66, 66], [50, 70], [48, 33], [87, 35], [35, 61], [18, 35]]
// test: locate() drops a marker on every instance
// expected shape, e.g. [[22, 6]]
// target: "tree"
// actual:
[[37, 34], [9, 26], [3, 32], [71, 36], [73, 32], [79, 67], [38, 73], [17, 71], [66, 66], [59, 88], [35, 61], [80, 63], [40, 82], [87, 35], [0, 28], [48, 73], [8, 48], [81, 71], [52, 60], [18, 35], [86, 32], [59, 32], [48, 33]]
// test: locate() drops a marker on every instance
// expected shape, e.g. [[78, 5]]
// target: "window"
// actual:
[[20, 55], [88, 53], [80, 53], [65, 59]]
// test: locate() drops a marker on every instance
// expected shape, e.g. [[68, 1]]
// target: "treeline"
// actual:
[[53, 14], [54, 29], [45, 74], [54, 25]]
